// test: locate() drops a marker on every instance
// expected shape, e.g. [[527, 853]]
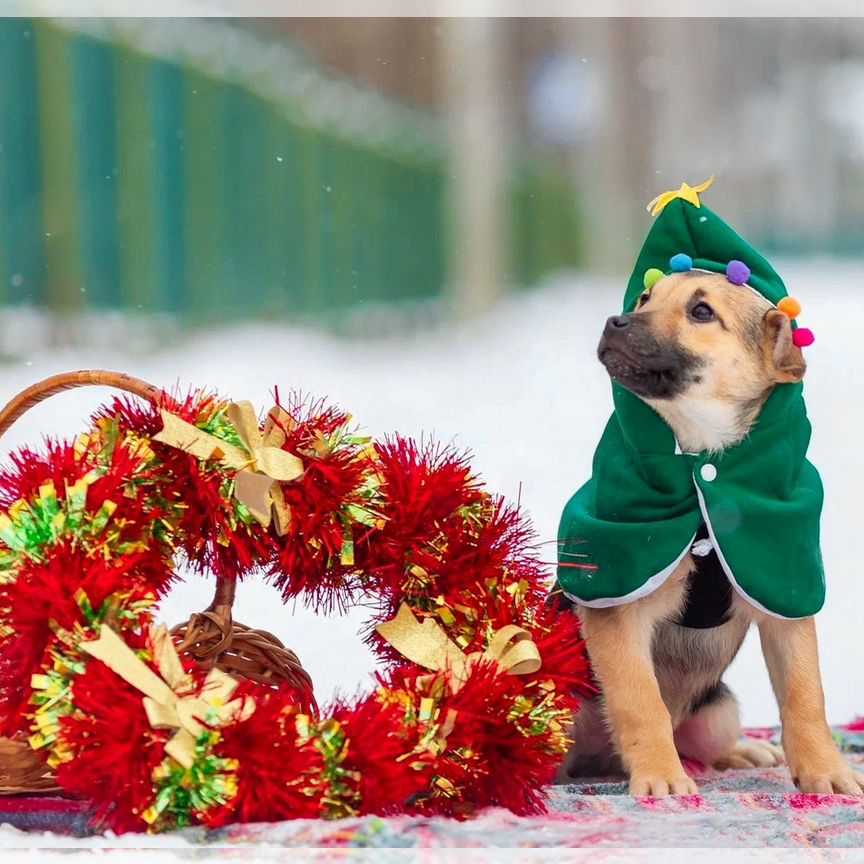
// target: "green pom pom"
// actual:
[[652, 277]]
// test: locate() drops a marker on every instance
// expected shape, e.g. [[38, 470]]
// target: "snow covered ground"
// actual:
[[523, 391]]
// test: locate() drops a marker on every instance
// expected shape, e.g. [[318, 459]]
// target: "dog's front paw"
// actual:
[[835, 778], [659, 784]]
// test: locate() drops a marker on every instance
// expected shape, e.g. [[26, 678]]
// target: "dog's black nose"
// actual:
[[617, 323]]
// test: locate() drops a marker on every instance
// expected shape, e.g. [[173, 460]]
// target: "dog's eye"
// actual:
[[643, 299], [702, 312]]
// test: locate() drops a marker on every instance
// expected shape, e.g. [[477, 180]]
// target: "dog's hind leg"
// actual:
[[751, 754], [712, 733], [592, 753]]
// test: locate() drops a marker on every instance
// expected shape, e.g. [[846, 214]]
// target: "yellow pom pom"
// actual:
[[652, 277], [790, 306]]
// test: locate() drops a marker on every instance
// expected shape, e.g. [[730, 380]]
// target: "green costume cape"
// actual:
[[624, 532]]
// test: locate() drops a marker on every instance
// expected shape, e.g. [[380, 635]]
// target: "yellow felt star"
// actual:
[[689, 193]]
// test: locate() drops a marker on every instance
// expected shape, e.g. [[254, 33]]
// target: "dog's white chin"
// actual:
[[702, 423]]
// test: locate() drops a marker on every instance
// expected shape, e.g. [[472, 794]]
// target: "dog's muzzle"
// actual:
[[635, 358]]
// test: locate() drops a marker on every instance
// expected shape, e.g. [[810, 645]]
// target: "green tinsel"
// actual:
[[181, 793]]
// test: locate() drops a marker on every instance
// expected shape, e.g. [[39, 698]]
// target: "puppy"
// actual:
[[705, 355]]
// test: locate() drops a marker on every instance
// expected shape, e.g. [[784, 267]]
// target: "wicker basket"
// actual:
[[212, 638]]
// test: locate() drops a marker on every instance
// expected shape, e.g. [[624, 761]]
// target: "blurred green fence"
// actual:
[[132, 181]]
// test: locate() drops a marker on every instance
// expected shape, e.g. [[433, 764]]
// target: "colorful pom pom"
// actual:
[[652, 277], [680, 263], [803, 337], [737, 272], [790, 306]]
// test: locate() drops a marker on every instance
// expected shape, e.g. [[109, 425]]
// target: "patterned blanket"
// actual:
[[733, 809]]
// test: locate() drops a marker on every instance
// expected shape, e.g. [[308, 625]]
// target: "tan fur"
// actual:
[[652, 672], [620, 644], [746, 352], [650, 679], [793, 665]]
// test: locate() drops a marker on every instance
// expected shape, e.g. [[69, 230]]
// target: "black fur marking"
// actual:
[[635, 358], [709, 593], [713, 695]]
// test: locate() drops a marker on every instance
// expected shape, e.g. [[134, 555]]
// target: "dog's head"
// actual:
[[704, 353]]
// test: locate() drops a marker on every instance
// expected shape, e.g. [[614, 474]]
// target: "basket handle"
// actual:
[[40, 391]]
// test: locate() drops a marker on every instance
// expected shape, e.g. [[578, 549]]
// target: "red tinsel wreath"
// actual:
[[479, 675]]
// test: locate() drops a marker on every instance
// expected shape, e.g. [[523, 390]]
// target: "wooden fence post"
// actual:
[[475, 213]]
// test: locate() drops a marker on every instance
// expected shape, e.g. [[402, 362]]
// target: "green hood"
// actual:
[[624, 532]]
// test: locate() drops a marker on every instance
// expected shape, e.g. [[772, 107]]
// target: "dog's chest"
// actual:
[[709, 594]]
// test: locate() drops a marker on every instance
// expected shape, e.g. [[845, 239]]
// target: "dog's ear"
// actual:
[[783, 357]]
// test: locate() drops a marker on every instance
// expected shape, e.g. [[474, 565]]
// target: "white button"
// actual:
[[709, 472]]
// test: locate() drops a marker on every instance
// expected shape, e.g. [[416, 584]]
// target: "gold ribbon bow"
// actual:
[[260, 464], [688, 193], [428, 645], [171, 701]]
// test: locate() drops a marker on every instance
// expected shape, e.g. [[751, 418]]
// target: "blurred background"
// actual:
[[312, 167], [428, 221]]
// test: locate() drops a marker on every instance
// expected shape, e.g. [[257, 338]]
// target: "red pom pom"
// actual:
[[193, 493], [277, 777], [310, 558], [114, 747], [378, 741], [803, 337], [31, 470], [493, 760], [446, 545], [558, 637], [43, 598]]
